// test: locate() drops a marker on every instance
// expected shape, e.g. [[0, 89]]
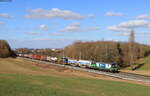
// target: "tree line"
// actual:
[[45, 52], [107, 51]]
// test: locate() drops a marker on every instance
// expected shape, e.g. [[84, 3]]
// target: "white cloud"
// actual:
[[52, 13], [1, 23], [113, 14], [43, 27], [117, 28], [76, 27], [134, 24], [5, 15], [91, 16], [128, 25], [124, 34], [144, 33], [93, 28], [138, 33], [31, 33], [143, 16], [56, 34]]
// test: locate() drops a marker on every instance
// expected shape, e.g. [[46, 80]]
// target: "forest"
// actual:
[[107, 51]]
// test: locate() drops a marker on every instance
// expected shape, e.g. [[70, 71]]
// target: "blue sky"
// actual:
[[57, 23]]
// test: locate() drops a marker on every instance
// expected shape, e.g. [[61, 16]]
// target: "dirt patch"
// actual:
[[141, 72]]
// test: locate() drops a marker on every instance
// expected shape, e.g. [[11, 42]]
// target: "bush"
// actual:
[[5, 50]]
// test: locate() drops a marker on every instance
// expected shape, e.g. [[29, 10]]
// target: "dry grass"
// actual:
[[21, 66], [141, 72]]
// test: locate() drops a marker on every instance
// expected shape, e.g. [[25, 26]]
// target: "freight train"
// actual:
[[110, 67]]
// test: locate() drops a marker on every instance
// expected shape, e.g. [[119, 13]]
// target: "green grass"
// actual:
[[30, 85], [20, 84], [146, 62]]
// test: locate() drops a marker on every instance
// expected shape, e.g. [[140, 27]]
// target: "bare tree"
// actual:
[[132, 48]]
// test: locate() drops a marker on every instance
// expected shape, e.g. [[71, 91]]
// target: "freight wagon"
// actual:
[[51, 59], [73, 62], [84, 63]]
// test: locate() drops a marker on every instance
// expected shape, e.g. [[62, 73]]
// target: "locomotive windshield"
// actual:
[[114, 66]]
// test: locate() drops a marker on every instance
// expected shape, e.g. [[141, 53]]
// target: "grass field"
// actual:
[[146, 62], [144, 70], [23, 78]]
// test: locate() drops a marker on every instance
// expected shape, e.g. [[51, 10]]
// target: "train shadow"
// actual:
[[138, 66]]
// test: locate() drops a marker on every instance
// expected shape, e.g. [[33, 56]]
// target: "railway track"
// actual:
[[120, 75]]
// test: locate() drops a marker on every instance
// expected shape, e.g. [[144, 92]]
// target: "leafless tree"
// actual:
[[132, 48]]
